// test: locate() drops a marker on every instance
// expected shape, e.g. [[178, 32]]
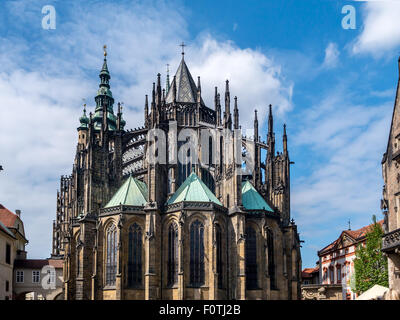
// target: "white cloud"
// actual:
[[381, 28], [331, 56], [43, 80], [345, 142]]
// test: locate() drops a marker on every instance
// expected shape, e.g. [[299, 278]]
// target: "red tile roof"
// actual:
[[357, 235], [38, 263], [7, 217], [4, 229], [308, 272]]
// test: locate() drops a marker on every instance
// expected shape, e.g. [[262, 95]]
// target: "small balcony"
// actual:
[[391, 241]]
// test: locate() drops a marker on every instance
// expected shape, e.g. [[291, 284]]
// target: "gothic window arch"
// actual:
[[135, 256], [271, 258], [172, 267], [111, 254], [218, 238], [196, 254], [251, 258], [208, 179]]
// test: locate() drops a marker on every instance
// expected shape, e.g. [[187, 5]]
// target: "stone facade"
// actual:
[[148, 250], [321, 292], [391, 197]]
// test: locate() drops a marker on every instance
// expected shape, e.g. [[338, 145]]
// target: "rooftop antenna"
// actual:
[[349, 225]]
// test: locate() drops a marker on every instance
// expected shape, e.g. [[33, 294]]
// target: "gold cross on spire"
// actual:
[[105, 50], [183, 45]]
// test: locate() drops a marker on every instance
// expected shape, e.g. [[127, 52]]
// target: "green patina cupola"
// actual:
[[133, 192], [84, 120], [194, 190]]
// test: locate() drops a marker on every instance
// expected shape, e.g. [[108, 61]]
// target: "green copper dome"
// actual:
[[84, 120]]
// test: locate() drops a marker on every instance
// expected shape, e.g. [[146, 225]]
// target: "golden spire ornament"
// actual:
[[105, 50]]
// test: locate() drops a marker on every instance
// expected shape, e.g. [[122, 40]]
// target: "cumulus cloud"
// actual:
[[331, 56], [381, 28], [44, 78]]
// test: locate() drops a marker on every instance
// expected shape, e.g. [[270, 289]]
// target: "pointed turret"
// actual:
[[146, 111], [198, 90], [285, 150], [153, 106], [227, 104], [256, 135], [236, 115], [167, 85], [270, 136]]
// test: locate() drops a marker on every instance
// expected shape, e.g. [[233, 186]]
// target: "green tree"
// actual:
[[370, 265]]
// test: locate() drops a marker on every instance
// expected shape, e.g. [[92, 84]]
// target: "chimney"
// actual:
[[18, 212]]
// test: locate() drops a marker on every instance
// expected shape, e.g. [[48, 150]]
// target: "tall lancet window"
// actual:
[[271, 258], [218, 238], [251, 258], [111, 259], [196, 254], [172, 254], [135, 256]]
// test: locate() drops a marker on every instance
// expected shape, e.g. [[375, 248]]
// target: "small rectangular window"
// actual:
[[8, 253], [19, 277], [35, 276], [7, 285]]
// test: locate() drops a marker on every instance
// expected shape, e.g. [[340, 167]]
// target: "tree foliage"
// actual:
[[370, 265]]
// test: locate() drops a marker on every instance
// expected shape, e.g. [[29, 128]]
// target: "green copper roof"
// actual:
[[132, 193], [193, 189], [252, 200]]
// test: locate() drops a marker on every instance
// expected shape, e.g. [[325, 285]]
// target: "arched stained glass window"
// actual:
[[135, 256], [218, 237], [196, 254], [251, 258], [172, 254], [271, 258], [111, 259]]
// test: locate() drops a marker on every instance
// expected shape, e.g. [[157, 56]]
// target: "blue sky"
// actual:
[[334, 88]]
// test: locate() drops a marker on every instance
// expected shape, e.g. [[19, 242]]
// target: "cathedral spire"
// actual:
[[104, 97]]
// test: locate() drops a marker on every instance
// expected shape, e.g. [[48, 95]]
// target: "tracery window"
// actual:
[[271, 258], [111, 259], [218, 236], [135, 256], [251, 258], [172, 271], [196, 254]]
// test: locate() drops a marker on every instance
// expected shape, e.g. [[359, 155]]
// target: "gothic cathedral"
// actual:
[[168, 210]]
